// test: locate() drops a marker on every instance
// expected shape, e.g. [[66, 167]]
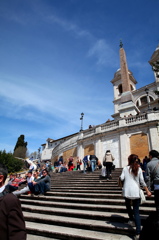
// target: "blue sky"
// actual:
[[58, 58]]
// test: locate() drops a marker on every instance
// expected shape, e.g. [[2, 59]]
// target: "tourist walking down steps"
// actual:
[[133, 177]]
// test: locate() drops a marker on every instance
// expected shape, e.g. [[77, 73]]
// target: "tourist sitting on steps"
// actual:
[[29, 179], [41, 185], [70, 164]]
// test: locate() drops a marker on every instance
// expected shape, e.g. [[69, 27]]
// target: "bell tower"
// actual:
[[124, 83], [154, 62]]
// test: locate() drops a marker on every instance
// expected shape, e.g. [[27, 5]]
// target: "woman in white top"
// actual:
[[133, 177]]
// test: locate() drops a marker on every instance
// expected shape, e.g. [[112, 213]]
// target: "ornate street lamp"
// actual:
[[148, 99], [81, 118], [39, 158]]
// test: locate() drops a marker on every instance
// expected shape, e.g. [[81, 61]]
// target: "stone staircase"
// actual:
[[80, 206]]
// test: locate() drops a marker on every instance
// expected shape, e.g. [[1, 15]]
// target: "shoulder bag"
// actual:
[[141, 193], [120, 183]]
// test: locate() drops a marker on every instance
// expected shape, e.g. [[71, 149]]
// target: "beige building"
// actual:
[[134, 128]]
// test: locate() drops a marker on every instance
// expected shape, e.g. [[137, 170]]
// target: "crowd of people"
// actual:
[[89, 162], [35, 182]]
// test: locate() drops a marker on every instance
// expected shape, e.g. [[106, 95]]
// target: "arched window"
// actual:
[[131, 87], [143, 100]]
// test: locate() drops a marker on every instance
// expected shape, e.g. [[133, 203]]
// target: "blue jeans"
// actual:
[[38, 188], [85, 166], [134, 213], [93, 164]]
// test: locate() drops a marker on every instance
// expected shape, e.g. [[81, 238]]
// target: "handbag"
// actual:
[[113, 167], [141, 193], [142, 196], [120, 183], [104, 163]]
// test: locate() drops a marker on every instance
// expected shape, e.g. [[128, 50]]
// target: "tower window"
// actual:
[[143, 100], [120, 88]]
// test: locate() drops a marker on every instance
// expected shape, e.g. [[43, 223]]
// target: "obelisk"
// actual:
[[127, 105]]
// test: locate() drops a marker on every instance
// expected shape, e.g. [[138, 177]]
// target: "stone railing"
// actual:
[[103, 128], [89, 132], [137, 118], [67, 144], [110, 125]]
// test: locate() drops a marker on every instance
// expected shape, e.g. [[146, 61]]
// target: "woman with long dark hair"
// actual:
[[133, 177]]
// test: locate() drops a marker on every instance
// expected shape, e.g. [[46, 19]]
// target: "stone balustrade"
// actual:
[[103, 128]]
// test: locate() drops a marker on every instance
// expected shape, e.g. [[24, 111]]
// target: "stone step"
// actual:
[[88, 224], [85, 184], [87, 188], [67, 233], [109, 206], [80, 206], [37, 237], [80, 213], [87, 200], [91, 194], [72, 190]]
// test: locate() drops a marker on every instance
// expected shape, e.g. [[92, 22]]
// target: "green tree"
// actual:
[[13, 164], [20, 147]]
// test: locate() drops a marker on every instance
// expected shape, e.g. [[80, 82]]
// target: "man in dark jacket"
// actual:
[[152, 177], [12, 225]]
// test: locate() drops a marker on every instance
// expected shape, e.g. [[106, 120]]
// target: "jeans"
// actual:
[[23, 190], [12, 188], [85, 166], [108, 169], [93, 164], [134, 213], [39, 188]]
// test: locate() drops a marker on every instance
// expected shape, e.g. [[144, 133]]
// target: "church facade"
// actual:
[[134, 128]]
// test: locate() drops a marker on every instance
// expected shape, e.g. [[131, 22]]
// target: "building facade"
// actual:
[[134, 128]]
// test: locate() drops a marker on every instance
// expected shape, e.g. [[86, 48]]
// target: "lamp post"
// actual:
[[148, 100], [81, 118], [39, 154]]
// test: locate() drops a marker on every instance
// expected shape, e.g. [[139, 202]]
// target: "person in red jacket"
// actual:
[[12, 225]]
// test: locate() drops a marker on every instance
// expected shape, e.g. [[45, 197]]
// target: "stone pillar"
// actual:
[[98, 150], [124, 143], [153, 138]]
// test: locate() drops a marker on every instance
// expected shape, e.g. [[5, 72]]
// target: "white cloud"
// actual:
[[104, 53]]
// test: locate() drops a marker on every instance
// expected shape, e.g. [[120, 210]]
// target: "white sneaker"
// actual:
[[131, 223], [136, 237]]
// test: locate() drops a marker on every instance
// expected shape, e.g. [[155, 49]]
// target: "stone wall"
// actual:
[[89, 150]]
